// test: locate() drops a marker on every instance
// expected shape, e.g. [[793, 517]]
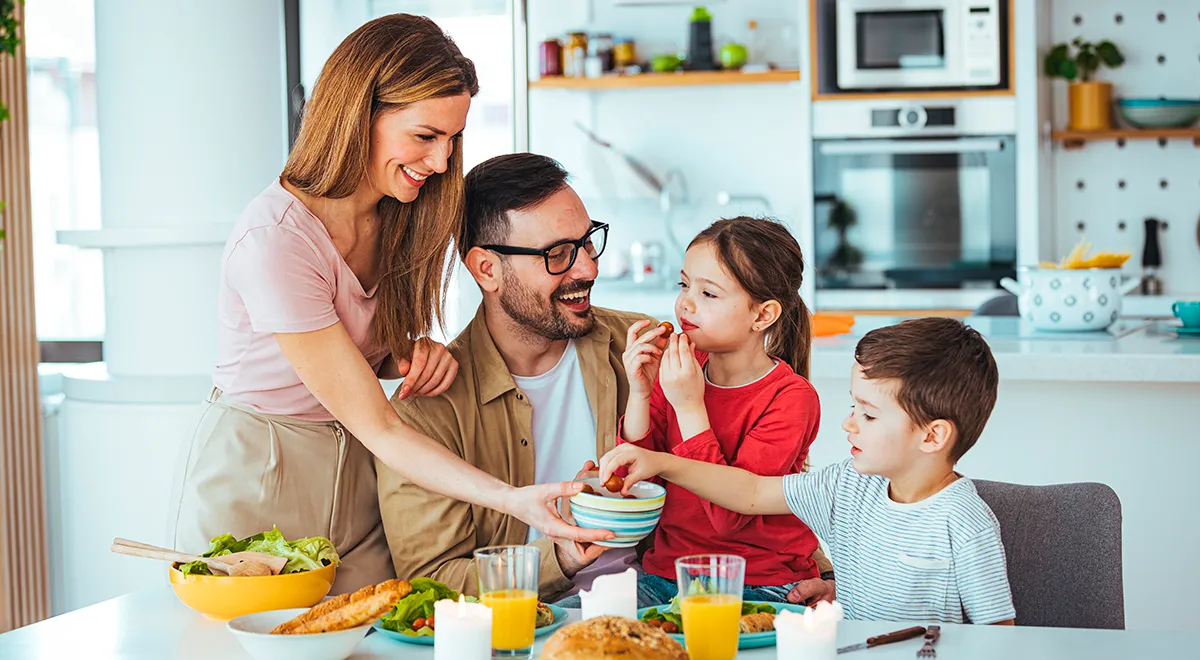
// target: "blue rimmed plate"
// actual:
[[560, 620], [746, 640]]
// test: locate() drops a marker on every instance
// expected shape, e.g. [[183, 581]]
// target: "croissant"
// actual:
[[348, 610], [760, 622]]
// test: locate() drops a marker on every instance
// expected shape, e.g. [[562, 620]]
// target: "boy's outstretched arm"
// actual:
[[729, 487]]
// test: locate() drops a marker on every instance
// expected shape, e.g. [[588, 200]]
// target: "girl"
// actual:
[[730, 389]]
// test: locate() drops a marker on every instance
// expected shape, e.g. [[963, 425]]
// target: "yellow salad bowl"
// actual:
[[223, 597]]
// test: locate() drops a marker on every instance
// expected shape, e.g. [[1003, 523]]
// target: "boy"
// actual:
[[910, 538]]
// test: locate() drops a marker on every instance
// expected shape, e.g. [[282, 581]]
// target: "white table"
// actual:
[[153, 624]]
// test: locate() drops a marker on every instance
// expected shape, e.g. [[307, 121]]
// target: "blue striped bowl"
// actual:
[[629, 526], [647, 496]]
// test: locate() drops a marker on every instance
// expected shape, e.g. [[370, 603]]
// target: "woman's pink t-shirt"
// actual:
[[280, 273]]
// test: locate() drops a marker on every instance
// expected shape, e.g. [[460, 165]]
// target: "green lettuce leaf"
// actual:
[[302, 554], [752, 608], [416, 605], [670, 613], [428, 584]]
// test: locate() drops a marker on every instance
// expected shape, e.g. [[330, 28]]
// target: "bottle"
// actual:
[[700, 44], [624, 53], [550, 58], [601, 46], [575, 55]]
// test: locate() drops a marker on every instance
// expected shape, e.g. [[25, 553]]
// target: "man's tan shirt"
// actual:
[[485, 419]]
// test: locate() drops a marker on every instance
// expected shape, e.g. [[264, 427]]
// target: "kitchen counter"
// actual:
[[659, 299], [153, 624], [1148, 354]]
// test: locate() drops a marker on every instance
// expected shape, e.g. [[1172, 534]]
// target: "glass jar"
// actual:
[[601, 46], [624, 53], [575, 54], [550, 58]]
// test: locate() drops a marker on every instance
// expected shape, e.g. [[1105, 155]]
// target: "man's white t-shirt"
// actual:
[[564, 427]]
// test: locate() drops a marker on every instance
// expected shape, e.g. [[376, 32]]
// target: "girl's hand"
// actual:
[[430, 370], [642, 358], [681, 377], [643, 464]]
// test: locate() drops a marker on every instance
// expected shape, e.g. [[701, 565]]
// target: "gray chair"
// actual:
[[1063, 545], [1004, 304]]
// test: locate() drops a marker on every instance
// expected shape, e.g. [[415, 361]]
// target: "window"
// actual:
[[64, 173]]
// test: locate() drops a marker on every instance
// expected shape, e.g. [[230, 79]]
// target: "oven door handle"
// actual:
[[904, 147]]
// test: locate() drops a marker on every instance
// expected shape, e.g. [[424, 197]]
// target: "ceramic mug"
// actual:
[[1069, 300], [1188, 311]]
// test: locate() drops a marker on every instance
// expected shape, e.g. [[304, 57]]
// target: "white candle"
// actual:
[[808, 636], [611, 595], [463, 631]]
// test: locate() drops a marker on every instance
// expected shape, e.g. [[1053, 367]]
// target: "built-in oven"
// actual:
[[932, 44], [914, 195]]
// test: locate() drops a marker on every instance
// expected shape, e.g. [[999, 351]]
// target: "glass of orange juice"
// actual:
[[710, 601], [508, 583]]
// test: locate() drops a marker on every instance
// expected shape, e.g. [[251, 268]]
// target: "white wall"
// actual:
[[743, 139]]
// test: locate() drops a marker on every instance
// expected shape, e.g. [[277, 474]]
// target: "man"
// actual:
[[540, 379]]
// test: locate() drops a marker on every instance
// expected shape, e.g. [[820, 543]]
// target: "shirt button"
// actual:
[[520, 397], [524, 442]]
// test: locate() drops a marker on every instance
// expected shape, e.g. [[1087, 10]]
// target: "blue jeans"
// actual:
[[654, 590]]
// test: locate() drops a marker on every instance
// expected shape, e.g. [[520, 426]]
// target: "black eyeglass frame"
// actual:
[[544, 253]]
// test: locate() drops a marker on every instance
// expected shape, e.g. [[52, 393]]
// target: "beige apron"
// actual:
[[245, 471]]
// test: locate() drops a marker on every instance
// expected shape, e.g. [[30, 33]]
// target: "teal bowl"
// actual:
[[630, 527], [1159, 113]]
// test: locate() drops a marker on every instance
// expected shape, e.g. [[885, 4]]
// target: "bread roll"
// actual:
[[612, 638]]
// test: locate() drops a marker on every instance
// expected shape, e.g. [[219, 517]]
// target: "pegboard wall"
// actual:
[[1105, 190]]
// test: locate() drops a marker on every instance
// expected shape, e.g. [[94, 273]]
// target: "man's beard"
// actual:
[[541, 317]]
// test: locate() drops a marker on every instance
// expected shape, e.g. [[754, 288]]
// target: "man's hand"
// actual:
[[574, 556], [812, 591]]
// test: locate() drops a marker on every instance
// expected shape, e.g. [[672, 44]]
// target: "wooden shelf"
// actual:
[[1072, 140], [676, 79], [913, 96]]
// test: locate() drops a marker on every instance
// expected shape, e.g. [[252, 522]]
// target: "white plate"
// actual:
[[253, 631]]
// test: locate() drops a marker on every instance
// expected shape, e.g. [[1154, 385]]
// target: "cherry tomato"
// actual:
[[670, 329], [429, 622], [670, 627], [588, 489], [419, 623], [614, 484], [657, 623]]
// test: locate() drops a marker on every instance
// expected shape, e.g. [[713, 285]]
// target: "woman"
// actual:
[[329, 274]]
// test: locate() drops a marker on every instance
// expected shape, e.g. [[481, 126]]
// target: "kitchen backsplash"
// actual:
[[1106, 190]]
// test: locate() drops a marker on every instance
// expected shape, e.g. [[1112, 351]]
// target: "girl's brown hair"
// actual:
[[385, 65], [765, 259]]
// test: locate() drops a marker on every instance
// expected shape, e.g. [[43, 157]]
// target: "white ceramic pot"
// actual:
[[1069, 300]]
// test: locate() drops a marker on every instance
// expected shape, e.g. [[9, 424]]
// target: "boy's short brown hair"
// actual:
[[945, 371]]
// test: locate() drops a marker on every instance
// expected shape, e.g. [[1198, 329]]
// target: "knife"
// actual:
[[898, 636]]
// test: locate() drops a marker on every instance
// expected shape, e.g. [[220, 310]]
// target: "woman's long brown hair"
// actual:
[[384, 65], [765, 259]]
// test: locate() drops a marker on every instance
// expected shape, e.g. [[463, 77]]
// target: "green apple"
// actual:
[[733, 56], [665, 62]]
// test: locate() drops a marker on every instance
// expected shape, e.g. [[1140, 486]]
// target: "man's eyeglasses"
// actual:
[[561, 256]]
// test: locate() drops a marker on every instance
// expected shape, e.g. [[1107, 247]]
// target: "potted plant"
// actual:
[[8, 46], [1089, 101]]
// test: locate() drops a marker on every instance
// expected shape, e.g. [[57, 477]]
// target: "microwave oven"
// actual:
[[904, 44]]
